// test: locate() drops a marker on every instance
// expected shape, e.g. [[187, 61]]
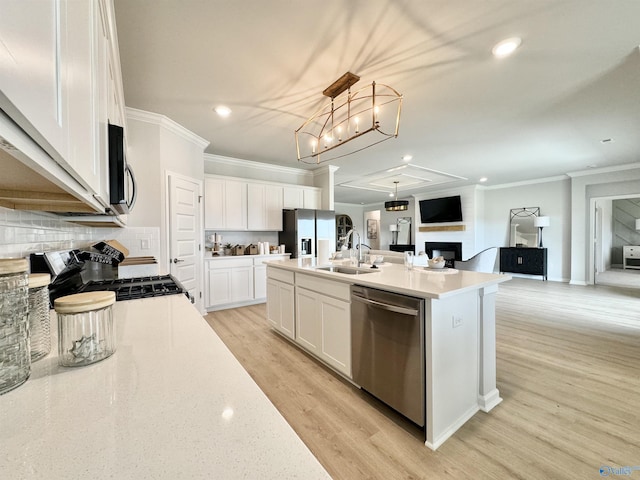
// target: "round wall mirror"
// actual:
[[523, 232]]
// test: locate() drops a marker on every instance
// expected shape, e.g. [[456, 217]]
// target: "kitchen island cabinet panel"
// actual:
[[280, 307], [308, 327], [459, 332], [323, 327]]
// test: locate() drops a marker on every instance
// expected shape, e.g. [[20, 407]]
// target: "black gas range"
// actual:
[[139, 287]]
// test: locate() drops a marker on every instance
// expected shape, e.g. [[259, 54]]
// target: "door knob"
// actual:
[[175, 260]]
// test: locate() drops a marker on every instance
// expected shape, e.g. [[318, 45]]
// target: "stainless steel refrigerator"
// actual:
[[301, 227]]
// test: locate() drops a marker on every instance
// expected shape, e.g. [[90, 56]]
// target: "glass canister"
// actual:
[[15, 359], [86, 331], [39, 323]]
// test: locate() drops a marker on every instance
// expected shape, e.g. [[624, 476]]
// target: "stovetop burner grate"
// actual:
[[140, 287]]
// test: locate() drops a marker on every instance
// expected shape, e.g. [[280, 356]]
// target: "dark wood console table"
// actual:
[[530, 261], [402, 248]]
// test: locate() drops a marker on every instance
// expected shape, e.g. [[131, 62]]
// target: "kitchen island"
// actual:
[[172, 402], [311, 307]]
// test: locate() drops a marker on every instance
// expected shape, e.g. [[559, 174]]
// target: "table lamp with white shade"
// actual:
[[541, 222], [393, 228]]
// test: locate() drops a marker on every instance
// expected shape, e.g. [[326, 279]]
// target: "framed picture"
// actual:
[[372, 228]]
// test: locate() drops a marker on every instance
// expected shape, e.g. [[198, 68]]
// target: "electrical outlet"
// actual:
[[457, 321], [144, 244]]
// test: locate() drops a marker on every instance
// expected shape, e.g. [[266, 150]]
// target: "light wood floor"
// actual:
[[568, 369]]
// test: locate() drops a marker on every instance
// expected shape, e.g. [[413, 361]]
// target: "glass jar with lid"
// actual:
[[86, 331], [39, 323], [15, 358]]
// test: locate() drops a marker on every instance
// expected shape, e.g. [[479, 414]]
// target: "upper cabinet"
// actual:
[[225, 204], [57, 64], [264, 207], [301, 197], [235, 204], [32, 76]]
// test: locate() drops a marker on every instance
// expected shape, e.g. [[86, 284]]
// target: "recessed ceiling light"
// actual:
[[223, 111], [483, 179], [391, 194], [506, 47], [407, 158]]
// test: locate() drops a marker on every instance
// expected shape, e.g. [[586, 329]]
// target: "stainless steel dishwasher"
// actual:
[[387, 349]]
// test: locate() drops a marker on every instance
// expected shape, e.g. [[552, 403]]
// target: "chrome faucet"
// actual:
[[346, 241]]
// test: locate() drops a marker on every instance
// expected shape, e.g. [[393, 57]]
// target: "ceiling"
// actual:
[[541, 112]]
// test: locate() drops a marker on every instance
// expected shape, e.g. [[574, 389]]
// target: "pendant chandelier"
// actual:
[[396, 205], [341, 126]]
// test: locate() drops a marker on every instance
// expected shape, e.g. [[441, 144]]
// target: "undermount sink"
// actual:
[[347, 270]]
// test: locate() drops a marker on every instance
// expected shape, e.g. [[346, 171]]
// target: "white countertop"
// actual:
[[172, 403], [278, 256], [421, 282]]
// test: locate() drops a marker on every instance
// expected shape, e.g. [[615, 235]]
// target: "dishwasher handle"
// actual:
[[386, 306]]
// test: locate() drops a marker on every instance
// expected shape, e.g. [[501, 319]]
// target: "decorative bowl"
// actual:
[[437, 262]]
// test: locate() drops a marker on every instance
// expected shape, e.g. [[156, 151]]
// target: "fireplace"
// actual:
[[451, 251]]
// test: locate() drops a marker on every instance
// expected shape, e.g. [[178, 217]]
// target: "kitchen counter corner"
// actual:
[[172, 402]]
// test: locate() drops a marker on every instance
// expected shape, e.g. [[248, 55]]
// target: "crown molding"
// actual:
[[239, 162], [600, 171], [556, 178], [167, 123]]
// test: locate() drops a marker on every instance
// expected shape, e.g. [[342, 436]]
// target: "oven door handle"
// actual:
[[385, 306]]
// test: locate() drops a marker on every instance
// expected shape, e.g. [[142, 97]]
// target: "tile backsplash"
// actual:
[[23, 232]]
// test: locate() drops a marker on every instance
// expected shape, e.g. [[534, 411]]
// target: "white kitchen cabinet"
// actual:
[[50, 77], [259, 282], [292, 197], [264, 203], [312, 198], [280, 307], [308, 326], [225, 205], [229, 281], [323, 321], [32, 35], [84, 58]]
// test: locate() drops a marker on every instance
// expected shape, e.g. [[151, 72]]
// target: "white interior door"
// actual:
[[185, 235]]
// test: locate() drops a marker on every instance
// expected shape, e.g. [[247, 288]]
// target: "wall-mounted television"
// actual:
[[441, 210]]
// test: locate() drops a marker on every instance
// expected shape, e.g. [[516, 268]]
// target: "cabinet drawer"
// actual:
[[331, 288], [279, 274], [230, 263]]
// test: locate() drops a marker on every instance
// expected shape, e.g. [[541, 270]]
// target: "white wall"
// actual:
[[158, 146], [553, 198], [586, 188], [471, 198]]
